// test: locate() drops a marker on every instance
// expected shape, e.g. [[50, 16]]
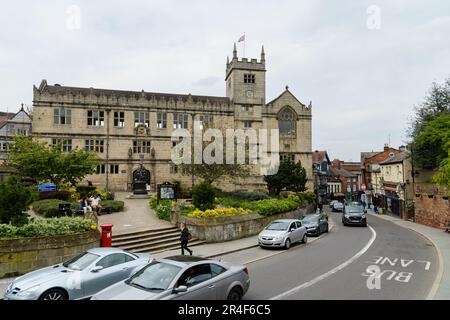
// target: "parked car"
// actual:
[[79, 277], [282, 233], [332, 203], [182, 278], [338, 206], [315, 224], [354, 215]]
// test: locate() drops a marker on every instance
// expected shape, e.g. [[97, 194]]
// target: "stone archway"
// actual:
[[141, 178]]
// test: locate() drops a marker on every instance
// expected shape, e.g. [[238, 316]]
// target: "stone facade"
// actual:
[[130, 127], [19, 256], [432, 206]]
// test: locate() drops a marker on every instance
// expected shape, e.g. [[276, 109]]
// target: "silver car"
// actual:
[[182, 278], [282, 233], [78, 278]]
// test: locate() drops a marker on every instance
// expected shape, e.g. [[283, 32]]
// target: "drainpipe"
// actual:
[[107, 149]]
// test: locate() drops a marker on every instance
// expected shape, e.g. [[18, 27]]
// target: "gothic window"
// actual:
[[114, 168], [140, 146], [247, 124], [161, 120], [66, 144], [180, 121], [249, 78], [94, 145], [287, 122], [95, 118], [141, 118], [62, 116], [119, 119], [206, 119]]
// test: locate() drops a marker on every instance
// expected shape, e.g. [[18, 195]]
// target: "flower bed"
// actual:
[[47, 227], [214, 213]]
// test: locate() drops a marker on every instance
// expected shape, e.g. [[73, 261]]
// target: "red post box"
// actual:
[[106, 235]]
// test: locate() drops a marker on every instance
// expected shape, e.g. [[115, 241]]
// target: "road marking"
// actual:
[[331, 272]]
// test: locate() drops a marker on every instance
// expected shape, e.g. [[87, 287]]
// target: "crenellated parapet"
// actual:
[[57, 94]]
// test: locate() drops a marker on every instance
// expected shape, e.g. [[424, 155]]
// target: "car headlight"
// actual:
[[28, 291], [278, 237], [9, 288], [363, 216]]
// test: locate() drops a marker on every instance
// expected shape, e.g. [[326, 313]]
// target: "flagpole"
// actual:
[[244, 47]]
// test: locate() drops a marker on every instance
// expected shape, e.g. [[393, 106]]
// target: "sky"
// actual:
[[363, 64]]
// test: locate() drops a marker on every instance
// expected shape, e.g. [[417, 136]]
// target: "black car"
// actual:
[[315, 224], [354, 214]]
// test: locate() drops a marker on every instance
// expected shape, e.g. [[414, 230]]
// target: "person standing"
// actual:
[[185, 237]]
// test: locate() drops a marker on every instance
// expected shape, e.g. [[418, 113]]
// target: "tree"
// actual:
[[15, 198], [443, 176], [212, 172], [291, 176], [437, 102], [431, 146], [42, 162]]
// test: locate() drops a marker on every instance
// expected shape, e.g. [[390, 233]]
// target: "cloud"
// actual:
[[363, 83]]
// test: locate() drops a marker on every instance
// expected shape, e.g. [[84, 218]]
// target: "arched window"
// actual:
[[287, 120]]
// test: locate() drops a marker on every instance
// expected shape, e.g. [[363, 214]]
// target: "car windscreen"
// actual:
[[156, 276], [311, 218], [81, 261], [354, 209], [278, 225]]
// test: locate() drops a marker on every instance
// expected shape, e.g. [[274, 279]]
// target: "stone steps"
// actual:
[[151, 241]]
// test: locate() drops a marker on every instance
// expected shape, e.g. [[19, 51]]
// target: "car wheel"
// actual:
[[53, 294], [305, 238], [235, 294], [287, 244]]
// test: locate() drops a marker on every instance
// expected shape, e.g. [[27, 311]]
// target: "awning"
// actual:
[[387, 188]]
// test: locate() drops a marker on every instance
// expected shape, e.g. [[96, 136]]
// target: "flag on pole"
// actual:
[[242, 38]]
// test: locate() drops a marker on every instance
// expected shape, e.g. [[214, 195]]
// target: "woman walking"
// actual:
[[185, 237]]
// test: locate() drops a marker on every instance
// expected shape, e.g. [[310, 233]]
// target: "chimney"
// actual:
[[402, 148], [386, 147], [336, 163]]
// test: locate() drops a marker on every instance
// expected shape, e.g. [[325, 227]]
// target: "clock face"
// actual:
[[249, 93]]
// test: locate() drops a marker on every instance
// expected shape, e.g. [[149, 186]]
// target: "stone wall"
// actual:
[[19, 256], [232, 228], [431, 206]]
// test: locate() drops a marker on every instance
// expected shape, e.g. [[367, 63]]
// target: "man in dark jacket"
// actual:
[[184, 239]]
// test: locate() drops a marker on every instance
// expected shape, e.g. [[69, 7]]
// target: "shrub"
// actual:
[[226, 212], [85, 191], [153, 202], [14, 200], [50, 208], [246, 195], [186, 208], [164, 209], [61, 195], [115, 204], [273, 206], [47, 227], [105, 195], [203, 196]]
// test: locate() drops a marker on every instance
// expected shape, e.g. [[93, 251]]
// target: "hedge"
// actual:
[[47, 227], [50, 208], [115, 204], [61, 195]]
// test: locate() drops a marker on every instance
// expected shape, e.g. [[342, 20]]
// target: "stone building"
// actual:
[[127, 128]]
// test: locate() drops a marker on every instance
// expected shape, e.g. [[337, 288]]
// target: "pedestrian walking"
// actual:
[[185, 237], [320, 207]]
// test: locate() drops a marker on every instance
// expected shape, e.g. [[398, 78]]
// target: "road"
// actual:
[[334, 266]]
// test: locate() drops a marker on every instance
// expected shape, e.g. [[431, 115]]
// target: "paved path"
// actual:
[[137, 215]]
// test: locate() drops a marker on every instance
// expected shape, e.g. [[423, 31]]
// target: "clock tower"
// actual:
[[246, 79]]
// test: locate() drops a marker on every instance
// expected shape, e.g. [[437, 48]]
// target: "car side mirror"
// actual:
[[180, 289], [96, 269]]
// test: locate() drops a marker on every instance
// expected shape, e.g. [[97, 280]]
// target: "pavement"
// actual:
[[441, 241], [136, 216]]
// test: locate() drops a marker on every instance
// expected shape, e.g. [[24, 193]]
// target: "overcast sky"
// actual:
[[364, 64]]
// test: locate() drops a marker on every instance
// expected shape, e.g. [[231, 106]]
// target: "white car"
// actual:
[[282, 233], [338, 206], [332, 203]]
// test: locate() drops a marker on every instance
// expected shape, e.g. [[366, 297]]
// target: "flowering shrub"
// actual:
[[47, 227], [213, 213]]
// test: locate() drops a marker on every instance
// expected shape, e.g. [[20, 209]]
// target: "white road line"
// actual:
[[329, 273]]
